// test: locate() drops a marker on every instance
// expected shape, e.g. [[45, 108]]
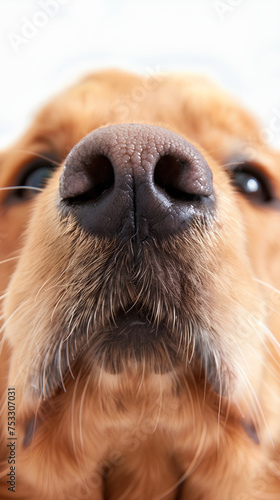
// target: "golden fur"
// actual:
[[185, 431]]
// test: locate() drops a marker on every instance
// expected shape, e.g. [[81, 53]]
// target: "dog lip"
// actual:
[[132, 340], [134, 326]]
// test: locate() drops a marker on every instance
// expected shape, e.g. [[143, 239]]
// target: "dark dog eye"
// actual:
[[252, 183], [38, 177], [32, 179]]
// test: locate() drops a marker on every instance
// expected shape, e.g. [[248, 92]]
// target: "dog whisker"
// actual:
[[12, 315], [267, 285], [194, 463], [5, 261], [73, 416], [265, 305], [268, 333], [60, 372], [83, 396], [257, 403], [264, 342], [28, 188], [43, 381], [39, 155]]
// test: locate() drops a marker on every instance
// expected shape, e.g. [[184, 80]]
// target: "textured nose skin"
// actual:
[[127, 180]]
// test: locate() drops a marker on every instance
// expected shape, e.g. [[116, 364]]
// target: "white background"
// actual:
[[235, 41]]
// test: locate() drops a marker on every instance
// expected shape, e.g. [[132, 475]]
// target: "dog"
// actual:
[[140, 276]]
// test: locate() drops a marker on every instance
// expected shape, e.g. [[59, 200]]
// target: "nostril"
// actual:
[[92, 181], [169, 175], [181, 180]]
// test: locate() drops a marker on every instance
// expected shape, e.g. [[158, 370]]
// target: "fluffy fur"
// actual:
[[192, 414]]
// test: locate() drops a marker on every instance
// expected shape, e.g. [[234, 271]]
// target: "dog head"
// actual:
[[142, 264]]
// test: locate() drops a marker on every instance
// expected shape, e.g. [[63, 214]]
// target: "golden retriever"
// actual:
[[140, 276]]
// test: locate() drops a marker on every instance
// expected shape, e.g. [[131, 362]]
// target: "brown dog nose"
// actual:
[[142, 180]]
